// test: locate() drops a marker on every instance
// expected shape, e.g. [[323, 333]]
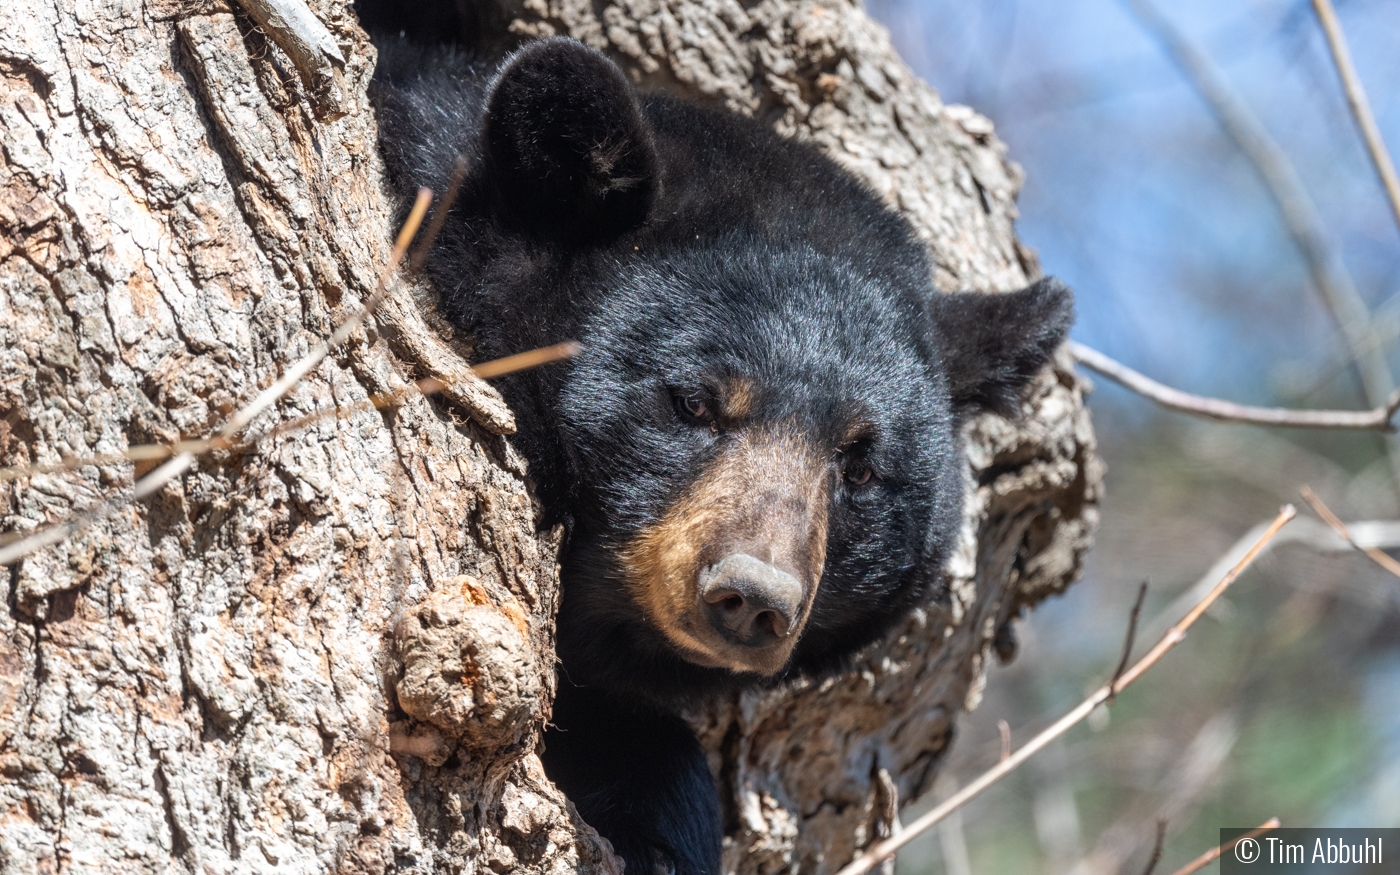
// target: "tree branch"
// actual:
[[1378, 419], [1174, 636], [1214, 853], [1360, 106], [1157, 845], [1341, 528], [1127, 641], [427, 386]]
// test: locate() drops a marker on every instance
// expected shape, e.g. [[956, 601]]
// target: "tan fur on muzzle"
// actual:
[[765, 496]]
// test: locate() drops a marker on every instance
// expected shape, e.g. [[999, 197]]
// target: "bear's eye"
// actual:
[[857, 472], [694, 409]]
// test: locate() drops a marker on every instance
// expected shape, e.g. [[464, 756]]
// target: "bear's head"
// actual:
[[758, 445]]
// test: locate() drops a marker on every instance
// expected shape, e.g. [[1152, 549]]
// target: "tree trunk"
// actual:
[[332, 651]]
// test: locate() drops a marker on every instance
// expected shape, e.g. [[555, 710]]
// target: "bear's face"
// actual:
[[764, 442], [757, 448]]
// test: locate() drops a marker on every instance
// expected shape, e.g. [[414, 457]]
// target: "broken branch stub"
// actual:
[[311, 48]]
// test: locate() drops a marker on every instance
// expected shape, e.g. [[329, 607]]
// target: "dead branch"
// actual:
[[1128, 640], [427, 386], [1161, 835], [1378, 419], [311, 48], [1174, 636], [1214, 853], [240, 420], [1341, 528], [1360, 106], [413, 341], [521, 361], [1305, 532]]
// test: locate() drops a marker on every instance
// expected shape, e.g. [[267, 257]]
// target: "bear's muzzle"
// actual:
[[729, 573]]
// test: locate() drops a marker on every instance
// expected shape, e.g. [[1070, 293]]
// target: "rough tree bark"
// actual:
[[333, 651]]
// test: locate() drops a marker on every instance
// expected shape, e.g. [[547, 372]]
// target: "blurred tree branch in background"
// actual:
[[1214, 853], [1330, 276], [1378, 419], [1120, 681], [1344, 531], [1360, 106]]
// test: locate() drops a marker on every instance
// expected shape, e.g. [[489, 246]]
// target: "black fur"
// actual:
[[684, 247], [638, 776]]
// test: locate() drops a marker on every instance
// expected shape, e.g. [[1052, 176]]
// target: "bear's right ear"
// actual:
[[567, 150]]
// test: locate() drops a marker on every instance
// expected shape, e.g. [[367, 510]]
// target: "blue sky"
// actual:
[[1135, 196]]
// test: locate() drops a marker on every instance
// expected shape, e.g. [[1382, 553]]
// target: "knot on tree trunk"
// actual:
[[468, 668]]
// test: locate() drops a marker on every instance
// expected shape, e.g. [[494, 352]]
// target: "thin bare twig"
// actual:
[[495, 368], [1300, 217], [1214, 853], [1360, 106], [426, 386], [1128, 640], [138, 453], [521, 361], [454, 187], [1004, 730], [1378, 419], [1174, 636], [1306, 532], [1157, 845], [235, 424], [1340, 528], [293, 375]]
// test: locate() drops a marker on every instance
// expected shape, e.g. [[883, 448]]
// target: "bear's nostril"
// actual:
[[771, 623], [732, 603]]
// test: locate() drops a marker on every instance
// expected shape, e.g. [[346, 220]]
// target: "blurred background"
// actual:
[[1286, 700]]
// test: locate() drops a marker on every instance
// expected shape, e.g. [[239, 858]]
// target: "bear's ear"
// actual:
[[993, 344], [567, 149]]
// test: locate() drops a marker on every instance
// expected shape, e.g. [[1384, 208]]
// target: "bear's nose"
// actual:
[[749, 601]]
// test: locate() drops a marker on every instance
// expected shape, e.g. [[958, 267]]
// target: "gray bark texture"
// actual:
[[332, 651]]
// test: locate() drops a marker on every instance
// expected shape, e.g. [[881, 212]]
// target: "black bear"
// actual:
[[756, 453]]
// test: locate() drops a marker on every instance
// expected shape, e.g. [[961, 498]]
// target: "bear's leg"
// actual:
[[639, 778]]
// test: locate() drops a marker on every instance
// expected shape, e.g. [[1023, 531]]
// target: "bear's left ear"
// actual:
[[567, 149], [993, 344]]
